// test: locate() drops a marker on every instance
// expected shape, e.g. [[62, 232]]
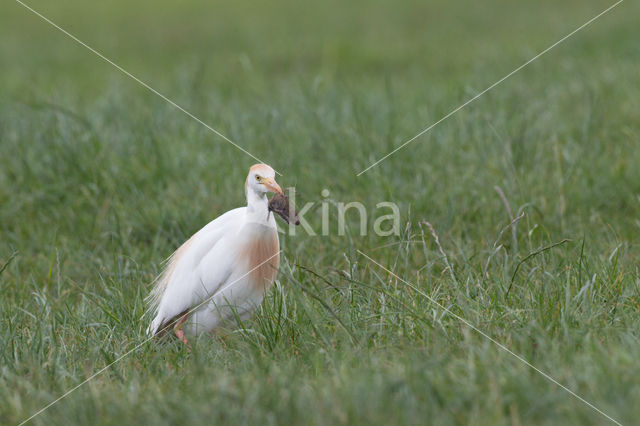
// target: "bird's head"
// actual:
[[262, 179]]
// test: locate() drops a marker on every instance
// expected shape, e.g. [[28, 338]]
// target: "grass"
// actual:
[[101, 180]]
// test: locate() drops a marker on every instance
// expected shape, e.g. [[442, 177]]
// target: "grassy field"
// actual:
[[100, 180]]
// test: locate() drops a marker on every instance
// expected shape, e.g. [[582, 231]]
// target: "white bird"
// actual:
[[224, 269]]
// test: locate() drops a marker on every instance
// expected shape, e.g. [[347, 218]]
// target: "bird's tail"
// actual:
[[155, 325], [160, 285]]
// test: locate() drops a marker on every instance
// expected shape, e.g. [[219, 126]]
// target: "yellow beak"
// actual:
[[272, 185]]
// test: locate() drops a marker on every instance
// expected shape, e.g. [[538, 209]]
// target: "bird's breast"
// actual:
[[262, 250]]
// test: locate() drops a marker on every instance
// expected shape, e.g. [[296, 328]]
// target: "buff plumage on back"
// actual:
[[162, 282]]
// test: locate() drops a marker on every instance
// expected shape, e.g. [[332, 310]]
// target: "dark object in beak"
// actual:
[[279, 203]]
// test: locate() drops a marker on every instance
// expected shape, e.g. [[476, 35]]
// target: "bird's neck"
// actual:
[[257, 206]]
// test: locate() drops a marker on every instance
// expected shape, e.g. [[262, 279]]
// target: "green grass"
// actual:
[[100, 180]]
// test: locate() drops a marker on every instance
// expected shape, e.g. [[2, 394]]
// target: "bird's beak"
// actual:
[[272, 186]]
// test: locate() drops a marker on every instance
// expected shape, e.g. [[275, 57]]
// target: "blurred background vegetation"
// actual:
[[100, 180]]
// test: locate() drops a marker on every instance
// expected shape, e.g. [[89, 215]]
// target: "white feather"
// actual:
[[210, 276]]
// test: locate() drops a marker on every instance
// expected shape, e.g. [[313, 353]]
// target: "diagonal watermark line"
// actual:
[[97, 373], [137, 80], [500, 345], [452, 112]]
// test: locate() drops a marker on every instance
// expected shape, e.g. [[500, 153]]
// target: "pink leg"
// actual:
[[177, 329]]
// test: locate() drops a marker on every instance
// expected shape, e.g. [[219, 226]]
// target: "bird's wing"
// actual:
[[181, 286]]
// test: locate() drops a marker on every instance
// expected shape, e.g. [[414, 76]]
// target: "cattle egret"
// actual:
[[223, 270]]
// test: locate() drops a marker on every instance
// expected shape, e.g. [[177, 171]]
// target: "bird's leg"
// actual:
[[177, 329]]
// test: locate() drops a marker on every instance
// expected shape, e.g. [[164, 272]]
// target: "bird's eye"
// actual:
[[258, 178]]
